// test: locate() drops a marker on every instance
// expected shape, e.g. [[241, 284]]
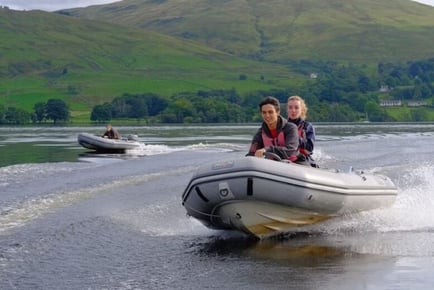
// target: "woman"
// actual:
[[297, 110], [276, 134]]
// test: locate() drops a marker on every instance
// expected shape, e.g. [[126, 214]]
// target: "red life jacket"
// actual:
[[278, 141]]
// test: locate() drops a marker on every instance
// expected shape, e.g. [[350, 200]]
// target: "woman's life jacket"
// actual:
[[306, 134]]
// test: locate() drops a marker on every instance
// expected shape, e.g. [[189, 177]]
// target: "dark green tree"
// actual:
[[39, 112], [2, 114], [57, 110], [375, 113], [342, 113], [102, 113], [17, 116], [155, 103]]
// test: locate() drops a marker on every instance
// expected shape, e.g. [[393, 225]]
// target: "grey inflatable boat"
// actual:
[[105, 145], [263, 197]]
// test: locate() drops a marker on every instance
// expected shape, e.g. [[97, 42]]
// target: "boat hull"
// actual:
[[263, 197], [105, 145]]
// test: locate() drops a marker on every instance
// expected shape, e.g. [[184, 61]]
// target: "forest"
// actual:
[[335, 92]]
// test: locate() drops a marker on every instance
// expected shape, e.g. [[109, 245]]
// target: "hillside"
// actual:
[[363, 31], [47, 55]]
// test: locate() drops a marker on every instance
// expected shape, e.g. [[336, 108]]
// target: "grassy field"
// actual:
[[167, 47], [362, 31], [87, 63], [407, 114]]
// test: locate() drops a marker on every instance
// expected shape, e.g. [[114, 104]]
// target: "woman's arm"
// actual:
[[309, 139]]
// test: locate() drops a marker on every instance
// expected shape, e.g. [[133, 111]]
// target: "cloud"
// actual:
[[51, 5], [427, 2]]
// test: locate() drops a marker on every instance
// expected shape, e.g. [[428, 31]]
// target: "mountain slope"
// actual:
[[283, 30], [45, 55]]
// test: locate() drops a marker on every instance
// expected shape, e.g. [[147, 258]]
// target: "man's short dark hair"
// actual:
[[270, 101]]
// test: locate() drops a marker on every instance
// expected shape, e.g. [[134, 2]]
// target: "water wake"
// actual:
[[412, 211], [22, 212]]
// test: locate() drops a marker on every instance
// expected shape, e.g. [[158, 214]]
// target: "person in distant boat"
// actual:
[[111, 133], [276, 135], [297, 110]]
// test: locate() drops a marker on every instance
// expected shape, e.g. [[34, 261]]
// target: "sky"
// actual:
[[428, 2], [52, 5]]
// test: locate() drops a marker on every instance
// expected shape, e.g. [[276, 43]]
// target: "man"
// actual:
[[276, 134], [111, 133]]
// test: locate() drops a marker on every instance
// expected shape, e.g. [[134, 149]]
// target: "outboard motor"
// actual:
[[133, 137]]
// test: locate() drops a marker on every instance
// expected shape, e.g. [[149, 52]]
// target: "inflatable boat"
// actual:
[[105, 145], [263, 197]]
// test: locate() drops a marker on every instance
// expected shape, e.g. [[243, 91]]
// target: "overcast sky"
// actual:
[[429, 2], [52, 5]]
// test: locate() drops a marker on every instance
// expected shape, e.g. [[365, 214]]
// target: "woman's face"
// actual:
[[269, 115], [294, 109]]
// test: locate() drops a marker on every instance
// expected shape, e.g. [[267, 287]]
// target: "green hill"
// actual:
[[363, 31], [171, 46], [47, 55]]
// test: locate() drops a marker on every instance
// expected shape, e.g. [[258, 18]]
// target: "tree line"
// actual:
[[337, 93], [54, 110]]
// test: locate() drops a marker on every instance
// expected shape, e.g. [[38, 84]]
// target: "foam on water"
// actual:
[[23, 211], [25, 172], [411, 212], [117, 221], [168, 219], [217, 147], [148, 149]]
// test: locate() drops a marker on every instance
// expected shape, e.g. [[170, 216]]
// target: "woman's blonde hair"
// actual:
[[302, 104]]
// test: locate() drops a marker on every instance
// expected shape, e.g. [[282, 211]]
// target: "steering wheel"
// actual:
[[272, 156]]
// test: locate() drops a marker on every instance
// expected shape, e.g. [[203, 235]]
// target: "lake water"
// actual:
[[73, 219]]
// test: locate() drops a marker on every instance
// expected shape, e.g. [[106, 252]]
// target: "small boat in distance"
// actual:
[[264, 198], [105, 145]]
